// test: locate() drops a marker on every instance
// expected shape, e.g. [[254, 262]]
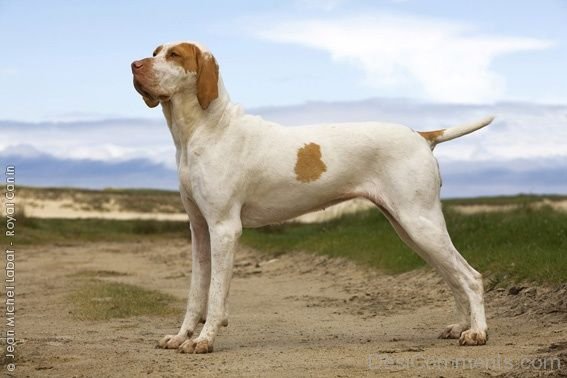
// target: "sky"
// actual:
[[67, 59], [67, 97]]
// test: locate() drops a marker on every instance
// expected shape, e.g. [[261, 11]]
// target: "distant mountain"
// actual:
[[537, 176], [464, 179], [523, 151], [44, 170]]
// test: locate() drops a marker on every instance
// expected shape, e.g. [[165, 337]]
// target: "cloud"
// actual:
[[446, 61], [522, 151], [42, 169], [460, 178], [111, 140], [520, 131]]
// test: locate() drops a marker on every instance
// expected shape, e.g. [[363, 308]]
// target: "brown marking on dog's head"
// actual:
[[176, 67], [184, 55], [157, 50], [192, 59], [431, 136], [309, 166]]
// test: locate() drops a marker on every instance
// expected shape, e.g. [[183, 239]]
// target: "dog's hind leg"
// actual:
[[430, 239], [415, 212], [452, 331]]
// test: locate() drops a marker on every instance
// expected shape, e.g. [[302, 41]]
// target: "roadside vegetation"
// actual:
[[34, 231], [96, 299], [525, 242], [522, 244]]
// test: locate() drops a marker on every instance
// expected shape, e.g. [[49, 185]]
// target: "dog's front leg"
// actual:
[[224, 238], [199, 290]]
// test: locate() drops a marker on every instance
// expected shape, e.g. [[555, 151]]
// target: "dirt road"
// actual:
[[298, 315]]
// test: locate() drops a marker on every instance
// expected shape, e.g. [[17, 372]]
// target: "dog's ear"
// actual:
[[152, 103], [207, 79]]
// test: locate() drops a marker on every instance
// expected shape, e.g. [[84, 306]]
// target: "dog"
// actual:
[[238, 170]]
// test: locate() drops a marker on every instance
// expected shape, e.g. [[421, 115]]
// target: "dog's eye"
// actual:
[[154, 54], [173, 54]]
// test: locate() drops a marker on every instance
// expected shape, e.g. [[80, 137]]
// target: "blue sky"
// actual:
[[70, 59], [70, 116]]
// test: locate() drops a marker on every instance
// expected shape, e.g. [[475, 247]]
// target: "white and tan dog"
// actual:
[[237, 170]]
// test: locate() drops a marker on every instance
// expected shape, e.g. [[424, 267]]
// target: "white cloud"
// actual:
[[109, 141], [520, 130], [443, 61], [522, 151]]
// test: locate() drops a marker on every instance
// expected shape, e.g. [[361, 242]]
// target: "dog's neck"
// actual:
[[185, 116]]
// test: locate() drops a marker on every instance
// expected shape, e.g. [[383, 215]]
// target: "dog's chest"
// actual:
[[196, 174], [185, 168]]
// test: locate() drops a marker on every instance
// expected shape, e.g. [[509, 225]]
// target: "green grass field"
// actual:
[[34, 231], [524, 244], [527, 243]]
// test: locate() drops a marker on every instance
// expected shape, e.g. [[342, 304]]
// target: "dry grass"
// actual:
[[102, 300]]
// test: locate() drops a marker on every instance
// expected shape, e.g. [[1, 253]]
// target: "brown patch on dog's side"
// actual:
[[309, 166], [431, 136]]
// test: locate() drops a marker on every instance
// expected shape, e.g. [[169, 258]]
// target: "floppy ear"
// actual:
[[207, 79], [152, 103]]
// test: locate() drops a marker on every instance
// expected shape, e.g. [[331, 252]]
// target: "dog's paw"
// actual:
[[171, 341], [198, 347], [453, 331], [473, 337]]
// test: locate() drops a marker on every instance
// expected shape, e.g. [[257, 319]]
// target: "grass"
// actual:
[[41, 231], [102, 300], [526, 243], [523, 244], [366, 238], [519, 200]]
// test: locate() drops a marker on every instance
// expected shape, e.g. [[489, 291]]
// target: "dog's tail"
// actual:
[[443, 135]]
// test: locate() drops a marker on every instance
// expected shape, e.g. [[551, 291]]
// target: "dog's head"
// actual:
[[174, 68]]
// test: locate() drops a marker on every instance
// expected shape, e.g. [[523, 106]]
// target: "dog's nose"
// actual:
[[136, 65]]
